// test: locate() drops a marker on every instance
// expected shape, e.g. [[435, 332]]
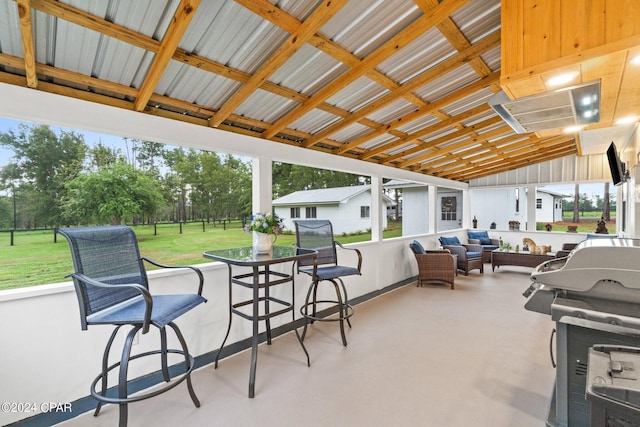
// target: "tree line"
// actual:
[[59, 179], [582, 203]]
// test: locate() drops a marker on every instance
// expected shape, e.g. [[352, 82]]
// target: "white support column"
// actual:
[[377, 208], [531, 208], [262, 184], [433, 209], [466, 209]]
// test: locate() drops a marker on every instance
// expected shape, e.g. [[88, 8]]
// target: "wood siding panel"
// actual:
[[542, 31]]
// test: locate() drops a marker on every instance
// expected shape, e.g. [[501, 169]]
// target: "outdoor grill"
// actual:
[[593, 295]]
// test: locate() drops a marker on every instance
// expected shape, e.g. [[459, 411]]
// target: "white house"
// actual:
[[504, 204], [348, 208], [548, 205]]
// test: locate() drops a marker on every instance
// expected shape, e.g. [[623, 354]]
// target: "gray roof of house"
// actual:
[[323, 196], [553, 193]]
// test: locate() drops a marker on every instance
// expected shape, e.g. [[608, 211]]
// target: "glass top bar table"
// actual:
[[260, 278]]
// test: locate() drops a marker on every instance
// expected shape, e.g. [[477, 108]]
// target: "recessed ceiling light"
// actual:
[[625, 120], [573, 129], [635, 60], [562, 79]]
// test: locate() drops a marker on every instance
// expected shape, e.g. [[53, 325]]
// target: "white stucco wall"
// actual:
[[498, 205], [46, 357], [415, 215]]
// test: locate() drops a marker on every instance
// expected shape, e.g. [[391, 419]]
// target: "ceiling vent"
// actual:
[[572, 106]]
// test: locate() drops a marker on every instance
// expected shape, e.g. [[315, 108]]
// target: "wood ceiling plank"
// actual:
[[296, 40], [629, 105], [26, 31], [179, 24], [396, 43]]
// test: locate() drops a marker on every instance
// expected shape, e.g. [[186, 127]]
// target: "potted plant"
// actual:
[[265, 228]]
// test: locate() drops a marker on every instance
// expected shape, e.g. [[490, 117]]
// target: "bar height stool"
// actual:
[[318, 235], [112, 289]]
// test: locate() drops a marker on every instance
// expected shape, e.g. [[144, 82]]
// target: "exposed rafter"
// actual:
[[447, 130]]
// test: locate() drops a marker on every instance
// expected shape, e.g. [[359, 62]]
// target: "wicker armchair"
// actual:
[[482, 238], [434, 266], [469, 256], [566, 250]]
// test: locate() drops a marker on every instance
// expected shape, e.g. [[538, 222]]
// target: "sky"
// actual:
[[116, 141], [89, 137]]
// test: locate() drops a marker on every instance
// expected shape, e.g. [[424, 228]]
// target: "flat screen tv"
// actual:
[[616, 166]]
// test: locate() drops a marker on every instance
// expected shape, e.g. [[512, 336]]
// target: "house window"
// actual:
[[295, 212], [448, 209], [365, 211], [517, 200], [538, 203], [310, 212]]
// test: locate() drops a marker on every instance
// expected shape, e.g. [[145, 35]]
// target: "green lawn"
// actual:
[[35, 259]]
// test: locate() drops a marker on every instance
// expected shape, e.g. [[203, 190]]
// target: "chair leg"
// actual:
[[343, 307], [312, 288], [345, 300], [122, 375], [105, 368], [341, 312], [163, 354], [187, 363]]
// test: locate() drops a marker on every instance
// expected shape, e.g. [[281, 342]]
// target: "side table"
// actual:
[[260, 265]]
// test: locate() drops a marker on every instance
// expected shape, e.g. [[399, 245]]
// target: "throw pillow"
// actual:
[[452, 241], [482, 236], [417, 247]]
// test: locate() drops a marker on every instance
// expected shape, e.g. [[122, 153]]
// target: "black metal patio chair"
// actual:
[[317, 234], [112, 289]]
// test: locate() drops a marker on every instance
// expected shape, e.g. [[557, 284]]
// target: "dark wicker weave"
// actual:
[[486, 249], [436, 267], [317, 234], [467, 262], [522, 259], [112, 288]]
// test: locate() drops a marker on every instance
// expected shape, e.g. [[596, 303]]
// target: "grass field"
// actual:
[[35, 259]]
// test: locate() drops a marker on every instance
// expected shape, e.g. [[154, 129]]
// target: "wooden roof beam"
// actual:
[[434, 106], [288, 23], [176, 30], [489, 42], [430, 145], [316, 20], [26, 31], [452, 33], [396, 43], [125, 35]]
